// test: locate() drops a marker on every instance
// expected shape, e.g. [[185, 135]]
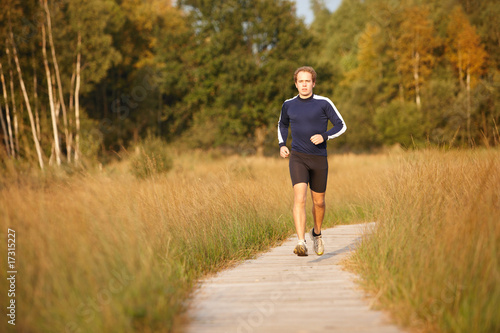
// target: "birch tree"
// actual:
[[77, 98], [15, 122], [51, 98], [35, 96], [7, 115], [27, 101], [91, 22], [59, 84], [4, 131]]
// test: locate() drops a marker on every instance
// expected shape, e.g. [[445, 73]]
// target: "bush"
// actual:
[[400, 123], [151, 158]]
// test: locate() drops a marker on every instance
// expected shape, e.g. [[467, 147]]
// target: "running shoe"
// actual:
[[301, 249], [318, 245]]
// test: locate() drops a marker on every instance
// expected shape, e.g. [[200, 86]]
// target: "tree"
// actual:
[[4, 131], [337, 36], [10, 138], [466, 54], [167, 70], [398, 123], [369, 60], [77, 96], [51, 98], [243, 57], [27, 101], [92, 25], [361, 87], [62, 103], [415, 46]]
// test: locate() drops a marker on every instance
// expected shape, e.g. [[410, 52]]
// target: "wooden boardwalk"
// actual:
[[281, 292]]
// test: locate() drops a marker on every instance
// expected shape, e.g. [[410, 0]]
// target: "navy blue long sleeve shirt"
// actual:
[[308, 117]]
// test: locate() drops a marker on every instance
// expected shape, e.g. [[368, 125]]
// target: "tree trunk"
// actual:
[[77, 98], [27, 101], [469, 106], [13, 98], [4, 131], [58, 80], [14, 114], [7, 114], [51, 99], [416, 76], [71, 108], [35, 95], [37, 114], [71, 104]]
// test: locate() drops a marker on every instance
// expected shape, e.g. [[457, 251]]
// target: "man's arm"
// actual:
[[283, 125], [339, 126]]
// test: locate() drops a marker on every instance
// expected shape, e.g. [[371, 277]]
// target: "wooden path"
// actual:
[[281, 292]]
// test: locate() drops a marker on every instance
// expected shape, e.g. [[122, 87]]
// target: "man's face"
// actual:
[[304, 84]]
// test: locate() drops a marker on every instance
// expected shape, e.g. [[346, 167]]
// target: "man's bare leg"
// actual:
[[299, 209], [318, 210]]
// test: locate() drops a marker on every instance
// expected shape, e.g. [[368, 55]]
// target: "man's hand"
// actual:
[[284, 152], [317, 139]]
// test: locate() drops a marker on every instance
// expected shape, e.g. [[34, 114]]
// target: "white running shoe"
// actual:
[[319, 246], [301, 249]]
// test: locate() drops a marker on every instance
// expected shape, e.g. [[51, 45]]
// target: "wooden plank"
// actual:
[[281, 292]]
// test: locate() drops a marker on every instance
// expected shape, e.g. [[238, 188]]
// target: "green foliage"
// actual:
[[91, 140], [243, 63], [151, 158], [215, 73], [390, 55], [399, 122], [96, 21], [440, 117]]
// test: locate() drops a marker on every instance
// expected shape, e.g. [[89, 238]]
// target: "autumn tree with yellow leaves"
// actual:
[[415, 46], [468, 56], [428, 71]]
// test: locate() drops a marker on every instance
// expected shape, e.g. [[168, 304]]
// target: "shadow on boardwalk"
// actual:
[[280, 292], [345, 249]]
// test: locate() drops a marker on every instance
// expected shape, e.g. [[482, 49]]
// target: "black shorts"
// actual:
[[309, 169]]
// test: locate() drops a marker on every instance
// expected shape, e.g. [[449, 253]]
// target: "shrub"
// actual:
[[151, 158]]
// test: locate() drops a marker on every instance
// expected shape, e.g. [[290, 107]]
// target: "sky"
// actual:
[[304, 10]]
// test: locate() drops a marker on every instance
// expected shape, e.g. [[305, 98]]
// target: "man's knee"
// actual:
[[318, 200], [319, 203], [299, 200], [300, 194]]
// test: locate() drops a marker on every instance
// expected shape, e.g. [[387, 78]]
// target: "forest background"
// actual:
[[82, 80]]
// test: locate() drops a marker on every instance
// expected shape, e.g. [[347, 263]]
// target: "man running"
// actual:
[[307, 114]]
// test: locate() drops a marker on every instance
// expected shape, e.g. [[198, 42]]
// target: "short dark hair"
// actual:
[[308, 69]]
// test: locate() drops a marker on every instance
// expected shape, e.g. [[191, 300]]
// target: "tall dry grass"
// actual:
[[103, 251], [434, 258], [107, 252]]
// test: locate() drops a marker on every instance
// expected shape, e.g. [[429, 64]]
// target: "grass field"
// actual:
[[434, 261], [106, 252], [103, 251]]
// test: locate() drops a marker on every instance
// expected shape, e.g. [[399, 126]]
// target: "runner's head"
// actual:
[[307, 69]]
